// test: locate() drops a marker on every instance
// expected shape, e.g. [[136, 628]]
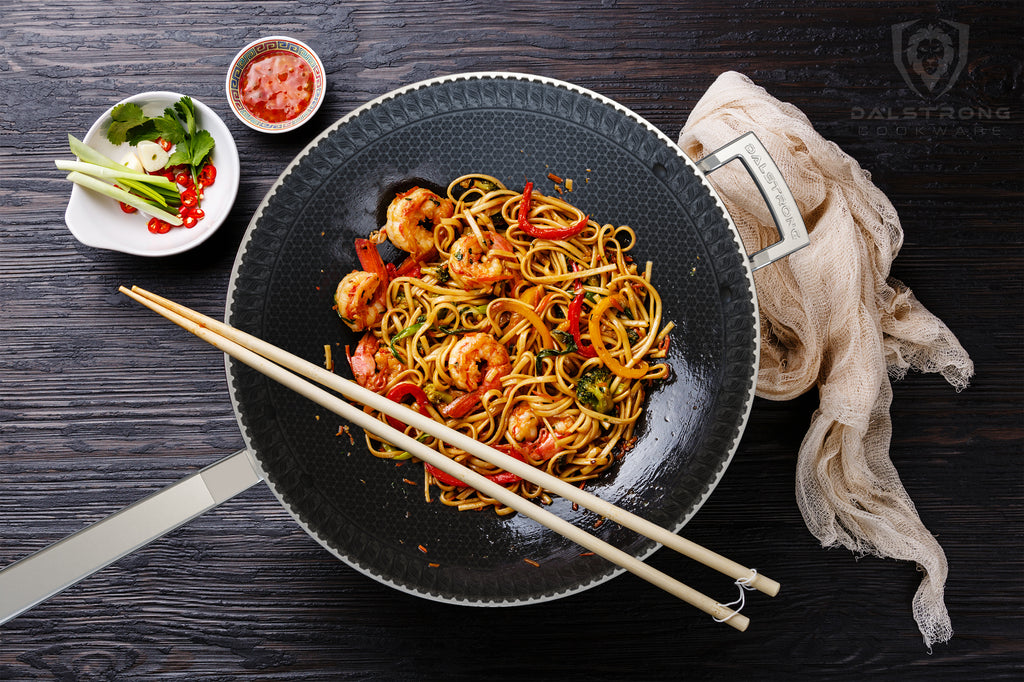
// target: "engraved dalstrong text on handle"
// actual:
[[765, 174]]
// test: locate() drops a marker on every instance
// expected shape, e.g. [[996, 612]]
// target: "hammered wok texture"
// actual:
[[516, 128]]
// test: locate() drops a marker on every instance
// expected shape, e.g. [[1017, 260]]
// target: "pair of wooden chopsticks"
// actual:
[[284, 368]]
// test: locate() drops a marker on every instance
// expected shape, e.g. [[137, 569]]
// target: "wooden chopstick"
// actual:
[[354, 391], [263, 357]]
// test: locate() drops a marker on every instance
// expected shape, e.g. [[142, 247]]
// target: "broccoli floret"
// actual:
[[593, 390], [436, 395]]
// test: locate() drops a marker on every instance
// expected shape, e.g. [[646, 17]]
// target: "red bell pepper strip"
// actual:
[[410, 267], [524, 208], [503, 478], [575, 313], [400, 391], [544, 232]]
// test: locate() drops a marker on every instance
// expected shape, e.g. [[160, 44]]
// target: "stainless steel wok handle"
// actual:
[[39, 576], [792, 231]]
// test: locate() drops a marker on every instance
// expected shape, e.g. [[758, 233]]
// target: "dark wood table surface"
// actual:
[[100, 404]]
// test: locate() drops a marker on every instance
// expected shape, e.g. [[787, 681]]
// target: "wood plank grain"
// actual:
[[101, 403]]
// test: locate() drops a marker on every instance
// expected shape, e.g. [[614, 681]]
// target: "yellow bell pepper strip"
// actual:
[[511, 305], [606, 357]]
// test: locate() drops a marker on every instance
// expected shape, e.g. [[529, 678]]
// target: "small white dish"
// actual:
[[98, 221]]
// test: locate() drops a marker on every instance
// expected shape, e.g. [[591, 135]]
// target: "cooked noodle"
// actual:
[[519, 290]]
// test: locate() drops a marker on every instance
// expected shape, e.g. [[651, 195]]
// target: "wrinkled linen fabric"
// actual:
[[833, 319]]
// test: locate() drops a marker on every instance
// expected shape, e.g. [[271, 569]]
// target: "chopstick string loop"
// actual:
[[745, 586]]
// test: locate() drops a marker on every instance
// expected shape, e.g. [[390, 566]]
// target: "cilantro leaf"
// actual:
[[193, 151], [192, 146], [186, 110], [202, 145], [143, 131], [124, 117], [169, 127], [180, 156]]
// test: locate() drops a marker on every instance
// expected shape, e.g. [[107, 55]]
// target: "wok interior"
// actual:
[[372, 513]]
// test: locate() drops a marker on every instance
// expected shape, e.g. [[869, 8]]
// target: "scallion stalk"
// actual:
[[90, 155], [118, 194], [143, 190], [122, 173]]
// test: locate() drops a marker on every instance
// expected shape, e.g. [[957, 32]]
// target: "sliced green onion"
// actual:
[[90, 155], [122, 173], [143, 190], [119, 194], [406, 333]]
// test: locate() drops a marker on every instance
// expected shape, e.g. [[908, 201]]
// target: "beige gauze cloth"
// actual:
[[832, 318]]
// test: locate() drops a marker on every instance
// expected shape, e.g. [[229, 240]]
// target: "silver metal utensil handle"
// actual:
[[762, 169], [39, 576]]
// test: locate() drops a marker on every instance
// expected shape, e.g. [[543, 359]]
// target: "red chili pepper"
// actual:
[[207, 175], [503, 478], [575, 313], [189, 197], [157, 226], [397, 393], [545, 232], [126, 208]]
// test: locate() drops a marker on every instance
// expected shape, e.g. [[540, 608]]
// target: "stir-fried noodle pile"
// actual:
[[515, 319]]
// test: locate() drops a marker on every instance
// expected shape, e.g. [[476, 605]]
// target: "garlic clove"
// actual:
[[131, 162], [151, 155]]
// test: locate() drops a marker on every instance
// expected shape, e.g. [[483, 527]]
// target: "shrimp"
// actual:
[[478, 360], [373, 365], [523, 423], [412, 217], [524, 428], [562, 424], [359, 300], [472, 265]]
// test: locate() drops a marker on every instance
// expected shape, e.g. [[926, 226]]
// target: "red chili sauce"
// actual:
[[277, 86]]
